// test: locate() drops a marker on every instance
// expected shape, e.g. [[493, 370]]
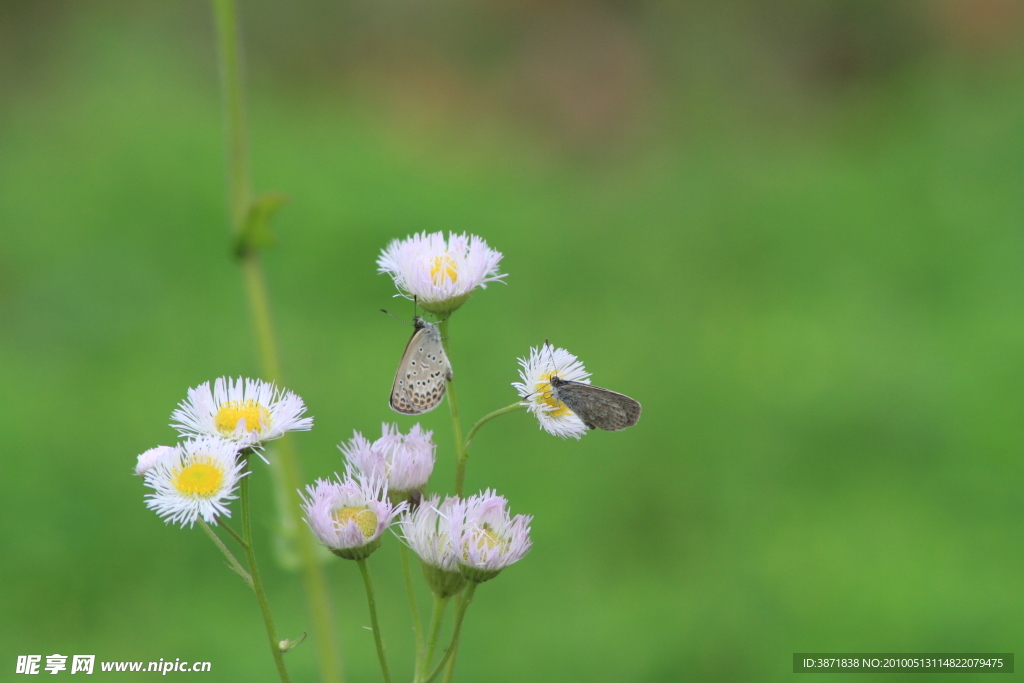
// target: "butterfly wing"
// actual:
[[423, 373], [597, 407]]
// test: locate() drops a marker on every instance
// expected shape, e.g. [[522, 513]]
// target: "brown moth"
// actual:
[[598, 408]]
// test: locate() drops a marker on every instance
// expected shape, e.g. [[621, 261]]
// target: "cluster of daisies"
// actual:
[[221, 426], [457, 539], [440, 275]]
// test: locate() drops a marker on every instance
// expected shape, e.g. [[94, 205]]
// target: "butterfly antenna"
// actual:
[[551, 355], [395, 317]]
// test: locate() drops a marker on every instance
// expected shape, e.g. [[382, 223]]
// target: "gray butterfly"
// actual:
[[424, 372], [597, 407]]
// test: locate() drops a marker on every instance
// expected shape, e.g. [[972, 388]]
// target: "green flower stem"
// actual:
[[286, 473], [259, 306], [373, 619], [450, 669], [440, 604], [487, 418], [449, 655], [453, 404], [257, 582], [234, 109], [413, 607], [232, 533], [318, 597], [233, 562]]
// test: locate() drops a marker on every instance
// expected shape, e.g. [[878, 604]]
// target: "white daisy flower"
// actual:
[[406, 461], [485, 538], [248, 412], [535, 389], [196, 479], [147, 460], [440, 274], [350, 516], [425, 530]]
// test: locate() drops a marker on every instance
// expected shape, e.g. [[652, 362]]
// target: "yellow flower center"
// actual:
[[443, 267], [486, 540], [201, 477], [543, 388], [256, 416], [364, 517]]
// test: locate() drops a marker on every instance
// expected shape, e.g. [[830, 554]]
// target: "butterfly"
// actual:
[[597, 407], [423, 373]]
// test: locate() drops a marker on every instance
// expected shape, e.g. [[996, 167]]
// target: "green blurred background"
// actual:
[[794, 232]]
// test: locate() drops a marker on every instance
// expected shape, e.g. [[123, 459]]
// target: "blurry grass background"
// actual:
[[795, 233]]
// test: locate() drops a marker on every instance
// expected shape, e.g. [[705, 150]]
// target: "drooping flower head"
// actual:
[[147, 460], [349, 516], [195, 479], [535, 389], [426, 531], [485, 537], [248, 412], [440, 274], [404, 460]]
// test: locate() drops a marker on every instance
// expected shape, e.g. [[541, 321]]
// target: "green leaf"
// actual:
[[255, 233]]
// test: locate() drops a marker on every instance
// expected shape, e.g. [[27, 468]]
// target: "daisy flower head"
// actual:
[[147, 460], [404, 460], [248, 412], [535, 389], [349, 516], [195, 479], [440, 274], [425, 530], [485, 537]]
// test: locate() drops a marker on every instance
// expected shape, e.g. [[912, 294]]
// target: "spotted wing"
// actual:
[[422, 374], [599, 408]]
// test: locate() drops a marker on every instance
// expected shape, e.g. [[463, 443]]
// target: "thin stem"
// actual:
[[449, 655], [287, 474], [417, 623], [373, 620], [436, 617], [234, 109], [453, 404], [232, 533], [233, 562], [259, 306], [318, 597], [487, 418], [257, 582], [450, 669]]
